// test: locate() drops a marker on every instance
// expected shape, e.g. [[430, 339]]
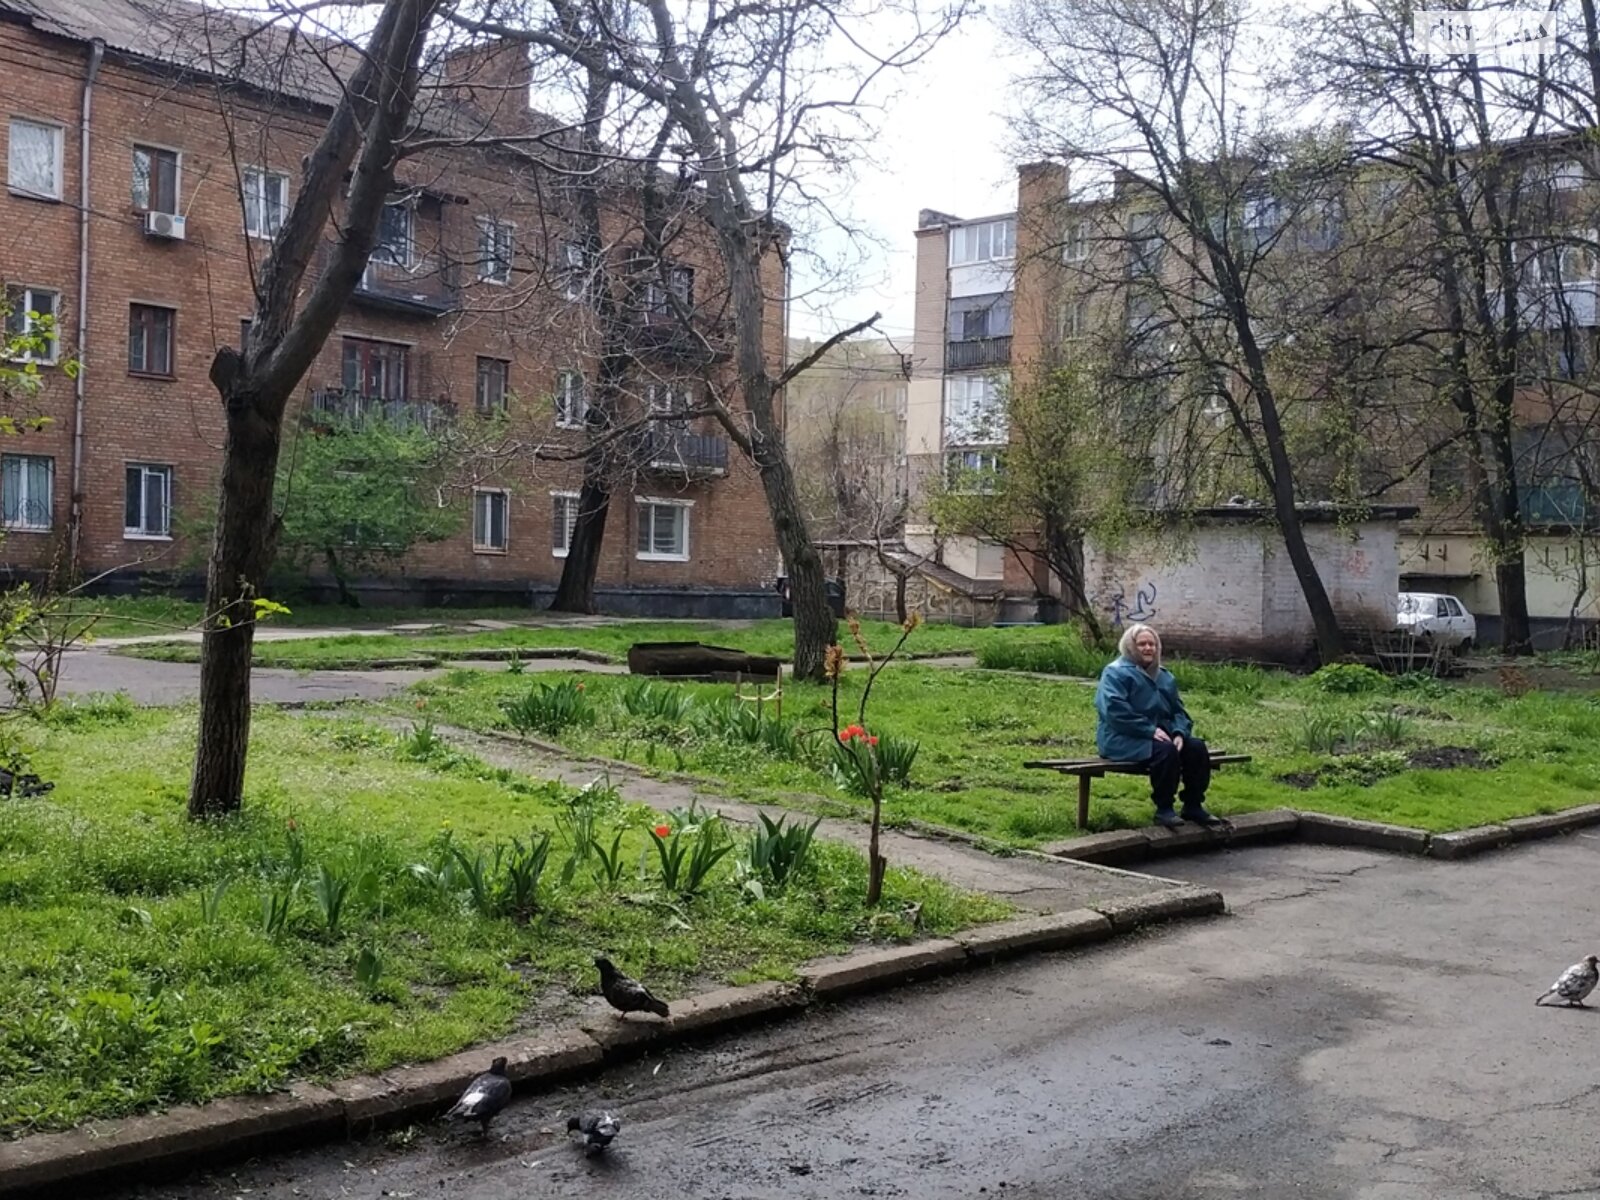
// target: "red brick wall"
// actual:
[[206, 278]]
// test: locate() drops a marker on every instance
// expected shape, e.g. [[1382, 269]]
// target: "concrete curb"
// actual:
[[1123, 846], [181, 1139]]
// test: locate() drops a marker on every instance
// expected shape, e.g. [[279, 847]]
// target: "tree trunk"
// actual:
[[240, 556], [876, 863], [575, 592], [1065, 553], [900, 613], [1503, 524], [336, 569]]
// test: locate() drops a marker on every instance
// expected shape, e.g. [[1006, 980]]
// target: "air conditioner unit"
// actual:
[[164, 225]]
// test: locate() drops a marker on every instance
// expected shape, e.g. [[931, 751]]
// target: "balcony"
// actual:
[[428, 287], [663, 336], [352, 410], [977, 352], [676, 452]]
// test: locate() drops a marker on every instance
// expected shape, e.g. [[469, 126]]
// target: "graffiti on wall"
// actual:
[[1142, 608]]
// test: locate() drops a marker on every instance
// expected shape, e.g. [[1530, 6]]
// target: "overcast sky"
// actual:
[[943, 146]]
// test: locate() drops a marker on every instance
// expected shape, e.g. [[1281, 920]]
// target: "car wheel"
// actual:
[[1465, 647]]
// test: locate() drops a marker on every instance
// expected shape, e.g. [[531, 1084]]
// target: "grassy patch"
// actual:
[[1342, 753], [382, 899], [774, 637], [154, 616]]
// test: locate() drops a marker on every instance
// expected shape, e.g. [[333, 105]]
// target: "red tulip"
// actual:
[[663, 830]]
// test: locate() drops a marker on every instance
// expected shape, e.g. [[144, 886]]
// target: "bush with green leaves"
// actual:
[[658, 702], [549, 708], [1348, 679], [779, 850]]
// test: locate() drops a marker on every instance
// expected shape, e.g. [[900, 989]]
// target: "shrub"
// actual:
[[780, 850], [895, 756], [1348, 679], [656, 701], [1388, 729], [549, 708]]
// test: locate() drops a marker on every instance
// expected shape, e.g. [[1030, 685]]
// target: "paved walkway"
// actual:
[[1360, 1027]]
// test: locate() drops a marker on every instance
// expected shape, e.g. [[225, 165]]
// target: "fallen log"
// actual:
[[692, 659]]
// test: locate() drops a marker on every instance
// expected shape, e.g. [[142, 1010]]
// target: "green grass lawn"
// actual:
[[1351, 753], [154, 616], [333, 927], [774, 637]]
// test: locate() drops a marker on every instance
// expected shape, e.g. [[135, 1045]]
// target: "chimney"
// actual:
[[494, 78]]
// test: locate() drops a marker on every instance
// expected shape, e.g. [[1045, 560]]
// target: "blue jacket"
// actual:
[[1132, 706]]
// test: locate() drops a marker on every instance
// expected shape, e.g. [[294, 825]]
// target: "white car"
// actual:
[[1439, 618]]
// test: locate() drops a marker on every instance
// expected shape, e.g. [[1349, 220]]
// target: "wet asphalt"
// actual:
[[1358, 1026]]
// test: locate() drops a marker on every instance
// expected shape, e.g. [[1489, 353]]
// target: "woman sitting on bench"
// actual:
[[1142, 720]]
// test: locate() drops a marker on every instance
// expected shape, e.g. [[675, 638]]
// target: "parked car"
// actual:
[[1438, 618]]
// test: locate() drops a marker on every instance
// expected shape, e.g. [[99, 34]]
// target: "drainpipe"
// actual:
[[97, 50]]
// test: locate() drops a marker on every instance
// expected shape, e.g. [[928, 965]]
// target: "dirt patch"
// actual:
[[949, 785], [1445, 757], [1421, 712]]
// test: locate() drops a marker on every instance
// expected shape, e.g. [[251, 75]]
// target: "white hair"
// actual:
[[1129, 635]]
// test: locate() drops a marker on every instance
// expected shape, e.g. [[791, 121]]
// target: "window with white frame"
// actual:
[[33, 159], [974, 408], [33, 313], [494, 251], [1074, 320], [147, 501], [493, 375], [987, 241], [1077, 244], [490, 512], [266, 200], [155, 179], [572, 399], [393, 243], [25, 487], [573, 264], [563, 519], [663, 529]]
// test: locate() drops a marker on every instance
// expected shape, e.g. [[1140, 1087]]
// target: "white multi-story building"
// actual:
[[961, 367]]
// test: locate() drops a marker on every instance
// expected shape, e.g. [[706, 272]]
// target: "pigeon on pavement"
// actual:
[[598, 1129], [1576, 982], [624, 994], [485, 1096]]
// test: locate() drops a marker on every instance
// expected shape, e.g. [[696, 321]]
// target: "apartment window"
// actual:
[[377, 370], [155, 179], [489, 512], [150, 340], [663, 530], [975, 400], [25, 486], [679, 284], [147, 501], [394, 234], [1567, 176], [989, 241], [1074, 320], [572, 270], [494, 251], [492, 375], [1145, 248], [32, 315], [266, 200], [572, 402], [563, 518], [975, 471], [33, 161], [1077, 247]]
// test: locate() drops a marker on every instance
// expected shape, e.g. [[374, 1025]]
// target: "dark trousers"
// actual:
[[1169, 766]]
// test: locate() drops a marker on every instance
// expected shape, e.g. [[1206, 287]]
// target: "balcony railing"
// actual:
[[977, 352], [429, 286], [675, 451], [351, 408]]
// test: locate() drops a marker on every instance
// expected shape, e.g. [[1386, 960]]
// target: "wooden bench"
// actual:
[[1087, 769]]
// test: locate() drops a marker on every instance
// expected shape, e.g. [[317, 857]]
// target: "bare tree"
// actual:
[[256, 382], [743, 85], [1150, 98]]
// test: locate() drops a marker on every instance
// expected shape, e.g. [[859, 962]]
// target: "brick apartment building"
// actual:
[[151, 148], [999, 296]]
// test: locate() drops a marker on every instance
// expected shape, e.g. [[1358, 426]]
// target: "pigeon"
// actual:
[[1576, 982], [624, 994], [597, 1129], [485, 1096]]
